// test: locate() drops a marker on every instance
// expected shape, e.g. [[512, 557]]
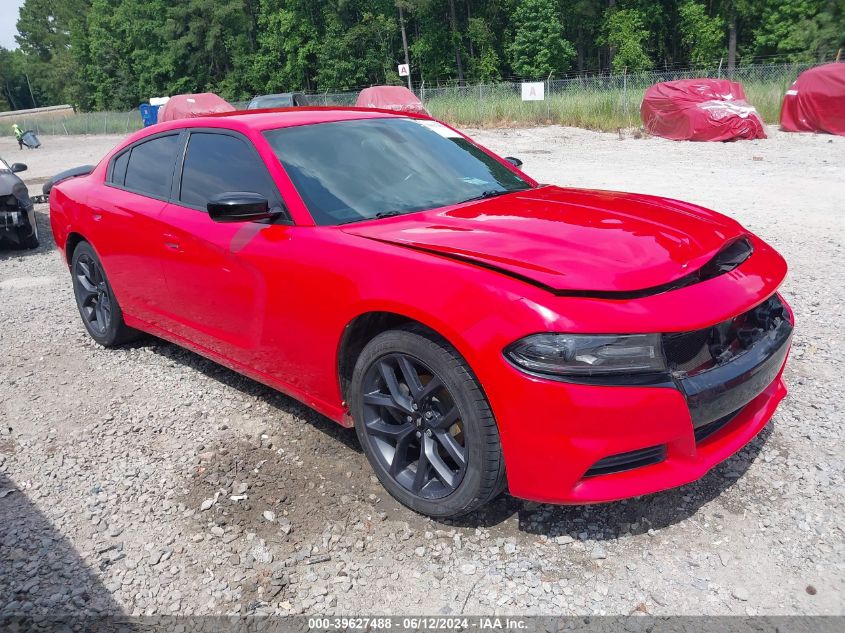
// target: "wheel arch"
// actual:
[[73, 240], [365, 327]]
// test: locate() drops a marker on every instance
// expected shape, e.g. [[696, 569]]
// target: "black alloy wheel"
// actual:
[[414, 425], [425, 424], [98, 307], [92, 294]]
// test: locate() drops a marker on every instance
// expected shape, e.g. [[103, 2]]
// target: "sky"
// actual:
[[8, 19]]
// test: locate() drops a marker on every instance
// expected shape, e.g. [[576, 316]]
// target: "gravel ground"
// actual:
[[148, 480]]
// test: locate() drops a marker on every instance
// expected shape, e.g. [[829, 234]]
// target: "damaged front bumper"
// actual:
[[584, 443], [17, 221]]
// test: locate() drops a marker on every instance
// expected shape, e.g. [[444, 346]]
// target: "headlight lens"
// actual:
[[588, 355]]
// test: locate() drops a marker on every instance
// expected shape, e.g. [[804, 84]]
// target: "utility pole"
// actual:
[[34, 104], [405, 45]]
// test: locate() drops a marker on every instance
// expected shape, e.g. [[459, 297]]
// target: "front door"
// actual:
[[217, 292]]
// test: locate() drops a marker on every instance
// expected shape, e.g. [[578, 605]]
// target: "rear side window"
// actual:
[[150, 167], [218, 163], [118, 170]]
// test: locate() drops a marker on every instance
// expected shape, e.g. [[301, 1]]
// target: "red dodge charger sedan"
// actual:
[[478, 329]]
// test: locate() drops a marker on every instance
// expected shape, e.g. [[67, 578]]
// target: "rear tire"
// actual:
[[425, 425], [98, 307]]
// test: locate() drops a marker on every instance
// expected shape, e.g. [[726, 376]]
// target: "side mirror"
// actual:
[[16, 167], [514, 161], [239, 206]]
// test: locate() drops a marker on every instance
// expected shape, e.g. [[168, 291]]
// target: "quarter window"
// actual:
[[219, 163], [118, 171], [150, 167]]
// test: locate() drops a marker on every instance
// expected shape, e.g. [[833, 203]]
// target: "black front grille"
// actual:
[[705, 431], [690, 353], [627, 461]]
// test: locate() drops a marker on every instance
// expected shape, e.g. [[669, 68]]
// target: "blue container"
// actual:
[[149, 113]]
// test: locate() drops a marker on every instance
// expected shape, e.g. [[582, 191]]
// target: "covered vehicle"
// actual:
[[816, 101], [17, 213], [281, 100], [396, 98], [193, 105], [700, 110]]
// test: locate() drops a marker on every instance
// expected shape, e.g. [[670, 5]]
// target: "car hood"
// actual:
[[569, 240]]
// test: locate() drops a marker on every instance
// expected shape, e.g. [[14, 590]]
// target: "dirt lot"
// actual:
[[150, 480]]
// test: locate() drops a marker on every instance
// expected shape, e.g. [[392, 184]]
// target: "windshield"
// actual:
[[348, 171], [271, 101]]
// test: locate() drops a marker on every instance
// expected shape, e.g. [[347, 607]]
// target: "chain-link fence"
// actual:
[[604, 102], [76, 123], [596, 101]]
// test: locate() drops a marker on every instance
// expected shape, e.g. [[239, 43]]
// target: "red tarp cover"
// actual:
[[390, 98], [700, 110], [816, 101], [189, 106]]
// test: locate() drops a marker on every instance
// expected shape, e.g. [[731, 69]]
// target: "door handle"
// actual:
[[171, 242]]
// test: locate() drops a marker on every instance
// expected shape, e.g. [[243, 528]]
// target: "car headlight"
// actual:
[[584, 355]]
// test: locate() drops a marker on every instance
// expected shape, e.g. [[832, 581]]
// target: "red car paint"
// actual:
[[486, 273]]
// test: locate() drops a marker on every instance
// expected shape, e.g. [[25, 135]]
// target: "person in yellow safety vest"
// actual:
[[18, 135]]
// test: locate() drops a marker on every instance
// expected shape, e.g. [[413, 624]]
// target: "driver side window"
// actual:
[[219, 163]]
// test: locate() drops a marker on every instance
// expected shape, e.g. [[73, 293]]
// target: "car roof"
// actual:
[[269, 119], [260, 120]]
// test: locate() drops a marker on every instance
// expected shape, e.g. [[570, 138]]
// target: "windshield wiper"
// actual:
[[490, 193], [377, 216]]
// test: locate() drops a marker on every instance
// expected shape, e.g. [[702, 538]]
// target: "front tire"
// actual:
[[425, 424], [98, 307], [28, 235]]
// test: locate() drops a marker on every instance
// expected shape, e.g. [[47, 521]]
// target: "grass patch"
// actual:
[[605, 110]]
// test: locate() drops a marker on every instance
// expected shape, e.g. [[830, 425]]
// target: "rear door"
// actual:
[[126, 226], [215, 271]]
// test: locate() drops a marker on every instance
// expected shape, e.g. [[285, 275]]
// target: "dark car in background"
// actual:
[[17, 213], [281, 100]]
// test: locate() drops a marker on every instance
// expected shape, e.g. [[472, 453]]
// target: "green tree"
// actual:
[[625, 31], [484, 61], [203, 39], [288, 43], [538, 46], [112, 54], [703, 36], [14, 92], [432, 44], [44, 36], [801, 30], [360, 55], [582, 20], [108, 71]]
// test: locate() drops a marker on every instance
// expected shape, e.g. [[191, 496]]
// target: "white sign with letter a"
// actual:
[[404, 70], [533, 91]]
